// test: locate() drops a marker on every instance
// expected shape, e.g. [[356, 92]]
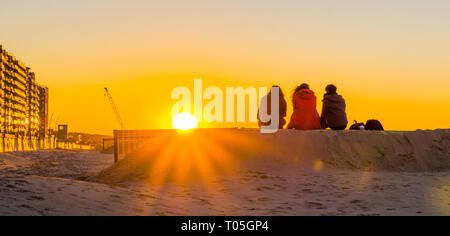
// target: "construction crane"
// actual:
[[114, 107]]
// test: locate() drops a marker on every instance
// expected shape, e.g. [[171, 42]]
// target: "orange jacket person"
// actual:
[[305, 116]]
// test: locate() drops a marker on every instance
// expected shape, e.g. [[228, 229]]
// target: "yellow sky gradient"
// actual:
[[390, 61]]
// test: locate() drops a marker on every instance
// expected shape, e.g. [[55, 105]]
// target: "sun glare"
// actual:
[[184, 121]]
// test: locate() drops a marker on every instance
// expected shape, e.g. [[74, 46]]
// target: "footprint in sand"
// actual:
[[248, 199], [277, 212], [226, 190], [82, 178], [374, 214], [285, 208], [145, 196], [316, 205], [139, 211], [280, 187], [311, 191], [116, 197], [252, 209], [330, 214], [10, 186], [364, 208], [204, 201], [264, 188], [22, 191], [25, 206], [21, 182], [37, 198], [264, 199], [355, 201], [247, 179]]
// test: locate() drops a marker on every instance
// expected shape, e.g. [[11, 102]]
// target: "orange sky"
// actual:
[[389, 59]]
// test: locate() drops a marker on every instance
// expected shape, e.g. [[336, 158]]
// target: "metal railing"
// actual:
[[14, 143]]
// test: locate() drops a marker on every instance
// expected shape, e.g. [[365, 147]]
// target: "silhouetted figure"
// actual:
[[305, 116], [282, 108], [333, 111]]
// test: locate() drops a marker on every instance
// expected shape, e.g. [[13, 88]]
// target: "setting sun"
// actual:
[[184, 121]]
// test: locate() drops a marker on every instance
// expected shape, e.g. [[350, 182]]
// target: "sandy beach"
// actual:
[[68, 183]]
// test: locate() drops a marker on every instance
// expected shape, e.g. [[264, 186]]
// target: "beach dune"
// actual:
[[229, 149]]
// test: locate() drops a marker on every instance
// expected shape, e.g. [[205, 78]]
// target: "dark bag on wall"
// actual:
[[374, 125], [357, 126]]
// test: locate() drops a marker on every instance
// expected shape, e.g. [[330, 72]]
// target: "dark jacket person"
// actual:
[[282, 109], [334, 115]]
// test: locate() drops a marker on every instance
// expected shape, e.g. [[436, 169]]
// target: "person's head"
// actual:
[[331, 89], [301, 87], [281, 91]]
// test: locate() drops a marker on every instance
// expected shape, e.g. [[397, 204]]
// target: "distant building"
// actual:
[[63, 133], [23, 102]]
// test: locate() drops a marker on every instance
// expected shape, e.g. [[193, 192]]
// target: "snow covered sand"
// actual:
[[265, 181]]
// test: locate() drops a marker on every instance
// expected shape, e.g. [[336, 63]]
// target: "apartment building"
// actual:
[[23, 102]]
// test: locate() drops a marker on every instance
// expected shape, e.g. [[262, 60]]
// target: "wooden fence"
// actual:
[[126, 141]]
